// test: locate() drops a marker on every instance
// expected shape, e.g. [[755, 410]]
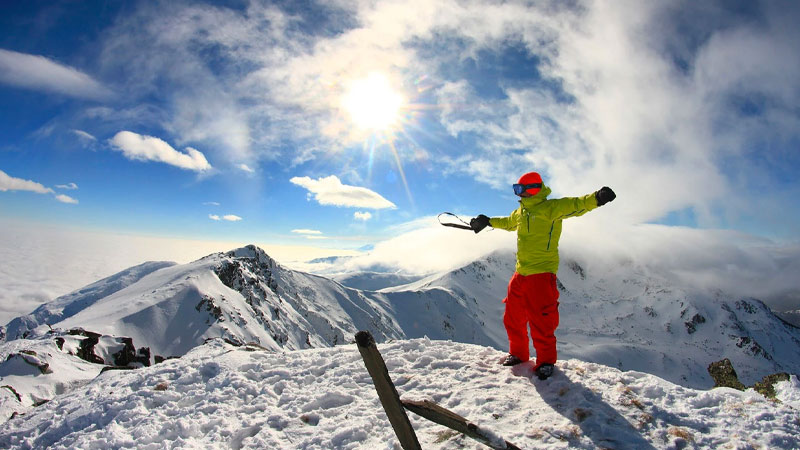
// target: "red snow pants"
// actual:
[[532, 299]]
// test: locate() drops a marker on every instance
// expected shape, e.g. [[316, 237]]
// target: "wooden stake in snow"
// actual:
[[395, 408], [442, 416], [386, 391]]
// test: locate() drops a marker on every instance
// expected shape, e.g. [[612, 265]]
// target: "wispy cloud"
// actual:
[[211, 203], [43, 74], [245, 168], [147, 148], [9, 183], [306, 231], [68, 186], [691, 106], [66, 199], [330, 191], [228, 217], [84, 136], [365, 215]]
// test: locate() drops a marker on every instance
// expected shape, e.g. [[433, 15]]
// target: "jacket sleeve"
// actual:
[[566, 207], [505, 223]]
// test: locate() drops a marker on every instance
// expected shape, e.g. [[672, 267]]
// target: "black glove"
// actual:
[[479, 223], [604, 195]]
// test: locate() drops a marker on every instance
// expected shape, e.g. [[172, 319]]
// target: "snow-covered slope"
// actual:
[[373, 281], [620, 315], [629, 318], [242, 295], [68, 305], [221, 396]]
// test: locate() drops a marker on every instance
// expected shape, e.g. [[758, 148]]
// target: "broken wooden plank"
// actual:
[[442, 416], [387, 393]]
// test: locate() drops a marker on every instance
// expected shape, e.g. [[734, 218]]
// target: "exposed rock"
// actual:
[[30, 357], [129, 356], [691, 326], [86, 350], [766, 386], [724, 375]]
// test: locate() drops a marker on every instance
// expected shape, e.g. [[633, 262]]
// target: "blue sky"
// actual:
[[228, 120]]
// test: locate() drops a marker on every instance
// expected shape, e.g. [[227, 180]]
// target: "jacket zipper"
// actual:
[[550, 236]]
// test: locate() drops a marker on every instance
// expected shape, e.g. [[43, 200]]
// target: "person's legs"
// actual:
[[542, 295], [515, 319]]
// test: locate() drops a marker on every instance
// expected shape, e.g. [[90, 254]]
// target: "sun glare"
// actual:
[[372, 103]]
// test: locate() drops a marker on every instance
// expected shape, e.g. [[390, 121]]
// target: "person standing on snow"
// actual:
[[532, 293]]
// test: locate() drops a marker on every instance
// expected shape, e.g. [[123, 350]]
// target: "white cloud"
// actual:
[[211, 203], [365, 216], [66, 199], [306, 231], [330, 191], [245, 168], [84, 135], [43, 74], [443, 248], [635, 95], [147, 148], [9, 183], [228, 217], [68, 186]]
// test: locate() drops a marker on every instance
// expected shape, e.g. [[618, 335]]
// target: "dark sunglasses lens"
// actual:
[[520, 188]]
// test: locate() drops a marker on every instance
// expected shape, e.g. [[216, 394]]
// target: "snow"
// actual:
[[634, 349], [222, 396]]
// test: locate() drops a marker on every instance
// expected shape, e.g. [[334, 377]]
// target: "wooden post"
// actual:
[[386, 391], [442, 416]]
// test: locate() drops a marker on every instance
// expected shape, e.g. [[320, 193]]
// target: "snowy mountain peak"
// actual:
[[68, 305]]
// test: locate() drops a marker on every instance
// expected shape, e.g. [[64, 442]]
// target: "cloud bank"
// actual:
[[636, 95], [9, 183], [330, 191], [138, 147], [43, 74]]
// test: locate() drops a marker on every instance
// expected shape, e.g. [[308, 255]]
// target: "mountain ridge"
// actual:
[[622, 316]]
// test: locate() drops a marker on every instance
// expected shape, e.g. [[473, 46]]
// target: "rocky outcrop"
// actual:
[[724, 375]]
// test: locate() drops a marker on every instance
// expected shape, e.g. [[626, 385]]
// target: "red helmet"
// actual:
[[531, 183]]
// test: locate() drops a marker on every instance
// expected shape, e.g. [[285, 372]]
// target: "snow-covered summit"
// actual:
[[68, 305], [242, 295], [222, 396], [619, 316]]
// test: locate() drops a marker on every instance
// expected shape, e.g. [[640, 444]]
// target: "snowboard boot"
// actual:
[[544, 371], [510, 360]]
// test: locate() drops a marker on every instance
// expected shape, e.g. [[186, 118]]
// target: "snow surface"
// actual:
[[223, 396]]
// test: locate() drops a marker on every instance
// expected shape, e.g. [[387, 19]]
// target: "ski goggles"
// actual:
[[520, 188]]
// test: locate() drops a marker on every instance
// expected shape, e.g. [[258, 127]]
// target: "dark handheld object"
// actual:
[[465, 226], [479, 223], [604, 195]]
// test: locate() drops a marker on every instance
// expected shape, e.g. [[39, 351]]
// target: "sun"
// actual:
[[372, 103]]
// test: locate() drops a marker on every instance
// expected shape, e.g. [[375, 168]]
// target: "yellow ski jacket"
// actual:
[[538, 225]]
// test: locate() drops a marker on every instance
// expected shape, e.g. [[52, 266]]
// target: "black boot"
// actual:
[[511, 360], [544, 371]]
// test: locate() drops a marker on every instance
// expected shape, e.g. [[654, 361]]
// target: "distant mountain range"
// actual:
[[620, 316]]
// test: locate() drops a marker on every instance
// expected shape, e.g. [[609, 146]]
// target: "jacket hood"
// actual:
[[536, 199]]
